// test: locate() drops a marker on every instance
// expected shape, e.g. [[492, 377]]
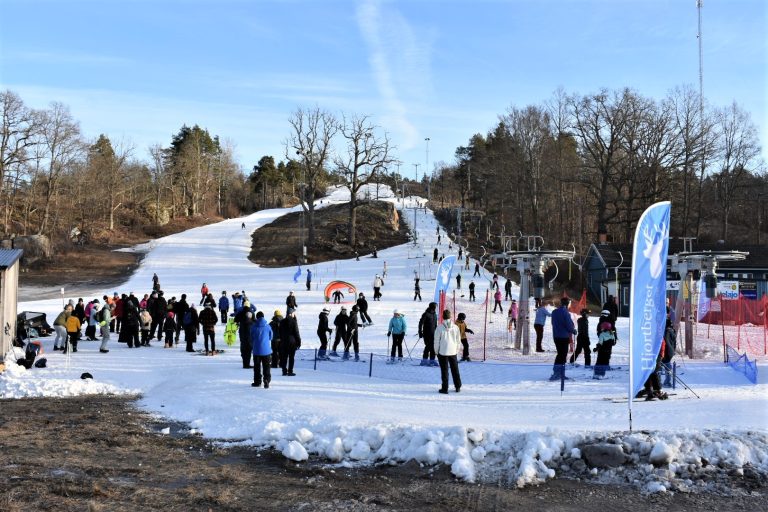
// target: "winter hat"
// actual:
[[355, 308], [605, 312], [170, 314], [224, 292], [248, 314], [344, 308], [461, 316], [605, 326], [326, 310], [396, 312], [246, 303], [278, 313]]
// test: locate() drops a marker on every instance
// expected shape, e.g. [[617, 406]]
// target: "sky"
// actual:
[[137, 70]]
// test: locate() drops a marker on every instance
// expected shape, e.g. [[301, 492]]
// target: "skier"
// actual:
[[203, 293], [463, 330], [495, 281], [582, 339], [466, 263], [538, 324], [290, 301], [191, 323], [497, 301], [384, 273], [362, 307], [337, 296], [434, 255], [322, 332], [606, 339], [508, 290], [461, 253], [438, 239], [610, 306], [242, 226], [309, 280], [378, 282], [340, 322], [512, 315], [261, 337], [670, 345], [472, 291], [477, 269], [352, 335], [458, 281], [448, 337], [562, 329], [396, 329], [416, 289], [155, 282], [224, 310], [290, 341], [427, 326], [208, 320]]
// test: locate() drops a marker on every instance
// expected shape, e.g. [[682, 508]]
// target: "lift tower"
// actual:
[[531, 263], [704, 263]]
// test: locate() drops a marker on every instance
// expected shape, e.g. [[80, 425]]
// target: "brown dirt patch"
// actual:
[[99, 453], [278, 244]]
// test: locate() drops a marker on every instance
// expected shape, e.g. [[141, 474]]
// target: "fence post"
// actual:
[[370, 366], [315, 368]]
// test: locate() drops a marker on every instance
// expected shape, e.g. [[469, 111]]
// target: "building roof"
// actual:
[[611, 254], [8, 257]]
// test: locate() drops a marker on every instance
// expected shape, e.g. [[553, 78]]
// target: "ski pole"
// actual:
[[388, 344], [686, 386]]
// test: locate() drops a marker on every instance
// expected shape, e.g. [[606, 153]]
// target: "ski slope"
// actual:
[[508, 421]]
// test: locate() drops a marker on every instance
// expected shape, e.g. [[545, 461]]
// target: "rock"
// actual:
[[603, 455], [35, 247]]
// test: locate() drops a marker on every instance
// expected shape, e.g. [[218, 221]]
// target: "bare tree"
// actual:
[[364, 156], [312, 131]]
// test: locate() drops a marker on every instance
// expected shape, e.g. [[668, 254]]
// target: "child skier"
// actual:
[[463, 330], [582, 339], [169, 327], [605, 342]]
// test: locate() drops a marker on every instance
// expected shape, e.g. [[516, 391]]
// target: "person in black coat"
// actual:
[[613, 308], [427, 326], [180, 308], [582, 339], [244, 321], [275, 325], [290, 301], [158, 311], [191, 327], [290, 341], [352, 334], [340, 322], [322, 332], [129, 329], [362, 307]]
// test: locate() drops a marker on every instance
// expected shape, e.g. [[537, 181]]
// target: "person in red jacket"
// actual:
[[203, 293]]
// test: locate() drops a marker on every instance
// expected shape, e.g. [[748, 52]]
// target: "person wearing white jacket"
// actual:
[[448, 339]]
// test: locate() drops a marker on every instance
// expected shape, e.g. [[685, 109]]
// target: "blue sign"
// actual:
[[647, 307], [443, 277]]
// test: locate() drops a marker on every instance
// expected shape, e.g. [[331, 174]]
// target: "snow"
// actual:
[[509, 423]]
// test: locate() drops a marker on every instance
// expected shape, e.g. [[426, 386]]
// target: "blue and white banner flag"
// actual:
[[647, 306], [443, 277], [297, 275]]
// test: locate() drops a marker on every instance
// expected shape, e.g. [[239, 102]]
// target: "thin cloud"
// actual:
[[69, 58], [383, 49]]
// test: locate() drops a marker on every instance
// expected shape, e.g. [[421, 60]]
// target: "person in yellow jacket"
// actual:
[[447, 338], [73, 333], [463, 330]]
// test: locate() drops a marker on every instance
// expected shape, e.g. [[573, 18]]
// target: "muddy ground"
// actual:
[[100, 453]]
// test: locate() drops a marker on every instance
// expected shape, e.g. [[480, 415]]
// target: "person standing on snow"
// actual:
[[340, 322], [378, 282], [337, 296], [274, 324], [472, 291], [155, 282], [145, 323], [104, 318], [447, 336], [290, 341], [434, 255], [562, 329], [180, 309], [463, 330], [427, 326], [203, 293], [261, 336], [60, 327], [309, 280], [169, 328], [353, 328], [512, 315], [209, 320], [244, 320], [322, 332], [224, 311], [362, 307], [538, 324], [582, 339], [477, 270], [129, 331], [158, 309], [290, 301], [396, 329], [508, 290], [191, 322], [416, 289], [458, 281], [497, 301]]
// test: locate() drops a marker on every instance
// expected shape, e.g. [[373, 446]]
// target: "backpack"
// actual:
[[99, 316], [187, 319]]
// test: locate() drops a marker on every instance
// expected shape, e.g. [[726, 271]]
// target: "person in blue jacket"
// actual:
[[562, 329], [261, 340], [396, 329], [224, 306]]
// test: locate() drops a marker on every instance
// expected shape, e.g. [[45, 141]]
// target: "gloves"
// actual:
[[596, 348], [102, 324], [389, 334]]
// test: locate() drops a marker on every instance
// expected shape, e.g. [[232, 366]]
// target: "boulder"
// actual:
[[603, 455], [35, 247]]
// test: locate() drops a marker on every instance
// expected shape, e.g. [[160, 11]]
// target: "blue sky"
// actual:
[[138, 70]]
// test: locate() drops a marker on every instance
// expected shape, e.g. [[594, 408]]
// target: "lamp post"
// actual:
[[302, 188], [426, 169], [417, 172]]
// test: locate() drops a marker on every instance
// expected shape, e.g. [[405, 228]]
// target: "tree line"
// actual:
[[577, 166]]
